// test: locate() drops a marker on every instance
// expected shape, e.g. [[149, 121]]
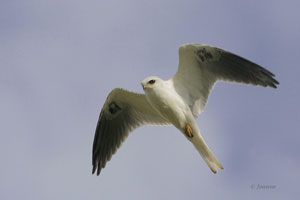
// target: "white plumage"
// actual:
[[177, 101]]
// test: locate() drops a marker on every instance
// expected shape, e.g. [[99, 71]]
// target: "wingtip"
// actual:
[[274, 84], [96, 169], [98, 172]]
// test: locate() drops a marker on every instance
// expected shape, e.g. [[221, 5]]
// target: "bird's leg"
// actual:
[[188, 131]]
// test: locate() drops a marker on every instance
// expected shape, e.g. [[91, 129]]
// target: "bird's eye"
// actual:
[[151, 82]]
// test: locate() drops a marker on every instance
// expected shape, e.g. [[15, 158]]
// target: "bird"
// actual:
[[177, 101]]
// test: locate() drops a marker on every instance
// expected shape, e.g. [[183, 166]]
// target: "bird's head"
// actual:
[[151, 82]]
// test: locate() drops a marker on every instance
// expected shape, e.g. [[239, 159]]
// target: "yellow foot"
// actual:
[[188, 131]]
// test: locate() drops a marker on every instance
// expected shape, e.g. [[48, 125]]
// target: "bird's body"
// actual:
[[177, 101], [166, 101], [164, 98]]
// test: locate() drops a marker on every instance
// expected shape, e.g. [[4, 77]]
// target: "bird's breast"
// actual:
[[169, 105]]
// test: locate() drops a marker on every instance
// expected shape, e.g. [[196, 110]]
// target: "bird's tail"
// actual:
[[206, 153]]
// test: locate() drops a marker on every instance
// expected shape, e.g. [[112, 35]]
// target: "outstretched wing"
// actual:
[[122, 112], [200, 66]]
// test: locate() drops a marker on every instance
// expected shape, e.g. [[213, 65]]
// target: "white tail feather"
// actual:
[[206, 153]]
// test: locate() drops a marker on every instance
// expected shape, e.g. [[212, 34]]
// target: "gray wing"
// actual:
[[122, 112], [200, 66]]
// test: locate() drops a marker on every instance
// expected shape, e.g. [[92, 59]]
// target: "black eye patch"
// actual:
[[151, 82]]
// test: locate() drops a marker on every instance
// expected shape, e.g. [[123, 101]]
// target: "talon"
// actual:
[[188, 131]]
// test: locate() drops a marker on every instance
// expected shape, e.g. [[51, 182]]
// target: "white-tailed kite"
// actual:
[[177, 101]]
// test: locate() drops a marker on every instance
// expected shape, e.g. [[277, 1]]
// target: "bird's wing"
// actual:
[[122, 112], [200, 66]]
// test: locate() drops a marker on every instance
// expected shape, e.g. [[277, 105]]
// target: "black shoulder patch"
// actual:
[[204, 55], [113, 107]]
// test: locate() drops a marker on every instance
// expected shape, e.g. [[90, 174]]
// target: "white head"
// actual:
[[151, 82]]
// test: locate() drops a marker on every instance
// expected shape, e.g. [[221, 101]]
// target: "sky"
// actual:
[[59, 59]]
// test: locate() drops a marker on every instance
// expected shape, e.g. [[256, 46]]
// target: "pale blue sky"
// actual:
[[60, 58]]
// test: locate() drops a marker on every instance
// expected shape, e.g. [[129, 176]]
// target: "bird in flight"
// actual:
[[177, 101]]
